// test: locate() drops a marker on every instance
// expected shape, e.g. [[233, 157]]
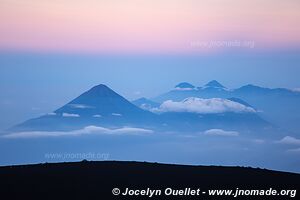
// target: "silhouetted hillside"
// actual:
[[95, 180]]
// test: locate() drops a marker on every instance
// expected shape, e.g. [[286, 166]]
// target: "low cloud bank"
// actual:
[[289, 140], [85, 131], [70, 115], [220, 132], [80, 106]]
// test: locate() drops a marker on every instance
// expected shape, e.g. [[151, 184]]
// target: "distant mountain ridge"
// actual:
[[101, 106], [273, 104], [216, 89]]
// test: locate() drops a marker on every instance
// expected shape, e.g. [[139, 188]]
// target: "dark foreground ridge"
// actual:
[[96, 180]]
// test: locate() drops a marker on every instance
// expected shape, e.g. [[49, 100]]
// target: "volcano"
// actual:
[[99, 106]]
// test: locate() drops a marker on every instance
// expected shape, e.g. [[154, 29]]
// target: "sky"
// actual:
[[52, 51], [144, 26]]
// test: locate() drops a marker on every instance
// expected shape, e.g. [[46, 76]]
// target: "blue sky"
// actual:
[[33, 84]]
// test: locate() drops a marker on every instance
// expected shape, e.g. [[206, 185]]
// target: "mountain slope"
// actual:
[[99, 106], [196, 114], [101, 100]]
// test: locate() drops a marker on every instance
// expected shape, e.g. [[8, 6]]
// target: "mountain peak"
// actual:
[[101, 90], [99, 100], [252, 87], [100, 87], [214, 84], [97, 95], [185, 85]]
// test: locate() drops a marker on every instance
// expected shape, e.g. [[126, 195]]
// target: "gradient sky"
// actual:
[[53, 50], [144, 26]]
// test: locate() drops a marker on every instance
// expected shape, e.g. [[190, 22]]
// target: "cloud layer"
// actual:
[[116, 114], [80, 106], [204, 106], [70, 115], [184, 89], [289, 140], [220, 132], [85, 131]]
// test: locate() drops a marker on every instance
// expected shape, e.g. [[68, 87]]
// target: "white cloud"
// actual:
[[70, 115], [116, 114], [97, 116], [220, 132], [184, 89], [289, 140], [80, 106], [85, 131], [204, 106], [146, 106]]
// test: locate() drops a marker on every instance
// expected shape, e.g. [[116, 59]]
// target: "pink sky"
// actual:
[[146, 26]]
